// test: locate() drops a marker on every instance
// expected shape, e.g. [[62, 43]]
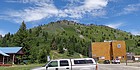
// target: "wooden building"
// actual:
[[118, 49], [109, 50], [101, 50], [9, 54]]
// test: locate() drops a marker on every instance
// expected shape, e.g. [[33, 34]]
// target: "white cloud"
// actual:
[[130, 9], [37, 13], [94, 4], [46, 9], [88, 7], [98, 13], [29, 1], [135, 32], [115, 25], [2, 32], [1, 17]]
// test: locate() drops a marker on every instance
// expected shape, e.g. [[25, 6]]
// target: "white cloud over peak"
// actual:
[[115, 25], [46, 9]]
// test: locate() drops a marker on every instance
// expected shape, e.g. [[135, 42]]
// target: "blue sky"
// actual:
[[118, 14]]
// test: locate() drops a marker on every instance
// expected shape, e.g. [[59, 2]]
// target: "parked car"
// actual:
[[106, 62], [116, 61], [70, 64]]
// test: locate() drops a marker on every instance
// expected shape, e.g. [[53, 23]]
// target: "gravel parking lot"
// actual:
[[122, 66]]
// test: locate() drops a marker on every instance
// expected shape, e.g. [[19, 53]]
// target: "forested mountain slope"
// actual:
[[65, 36]]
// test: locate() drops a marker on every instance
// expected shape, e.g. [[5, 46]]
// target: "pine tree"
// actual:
[[21, 39]]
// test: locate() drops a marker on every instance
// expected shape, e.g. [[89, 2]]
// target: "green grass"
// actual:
[[21, 67], [56, 55]]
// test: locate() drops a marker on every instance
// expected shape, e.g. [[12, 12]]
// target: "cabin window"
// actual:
[[64, 63]]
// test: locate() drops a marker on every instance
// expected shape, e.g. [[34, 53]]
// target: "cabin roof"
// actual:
[[4, 54], [10, 49]]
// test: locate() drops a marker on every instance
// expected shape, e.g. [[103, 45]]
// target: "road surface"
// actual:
[[122, 66], [119, 66]]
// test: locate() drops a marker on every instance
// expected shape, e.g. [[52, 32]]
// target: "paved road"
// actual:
[[122, 66], [117, 67]]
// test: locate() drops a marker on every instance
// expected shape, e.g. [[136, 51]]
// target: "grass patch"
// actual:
[[56, 55], [21, 67]]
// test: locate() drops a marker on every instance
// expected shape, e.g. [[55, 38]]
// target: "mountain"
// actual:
[[65, 37]]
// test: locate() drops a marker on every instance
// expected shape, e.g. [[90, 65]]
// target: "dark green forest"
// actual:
[[65, 36]]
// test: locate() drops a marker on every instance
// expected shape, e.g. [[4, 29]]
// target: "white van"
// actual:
[[71, 64]]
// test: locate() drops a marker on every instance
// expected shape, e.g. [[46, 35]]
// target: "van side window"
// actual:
[[53, 64], [89, 61], [79, 62], [64, 63], [83, 62]]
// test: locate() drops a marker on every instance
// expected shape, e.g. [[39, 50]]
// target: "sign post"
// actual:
[[126, 59], [48, 58]]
